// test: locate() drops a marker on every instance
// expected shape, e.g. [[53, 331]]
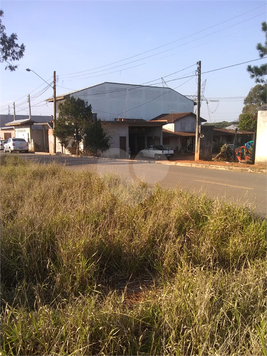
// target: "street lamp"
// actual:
[[55, 100]]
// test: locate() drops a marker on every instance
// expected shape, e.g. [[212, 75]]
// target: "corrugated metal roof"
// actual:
[[4, 119], [18, 122], [62, 97]]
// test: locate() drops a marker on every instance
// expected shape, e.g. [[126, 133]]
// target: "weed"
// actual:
[[85, 272]]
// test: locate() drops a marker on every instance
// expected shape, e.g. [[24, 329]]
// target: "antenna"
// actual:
[[164, 84]]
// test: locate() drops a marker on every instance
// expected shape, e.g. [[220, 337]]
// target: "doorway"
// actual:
[[123, 146]]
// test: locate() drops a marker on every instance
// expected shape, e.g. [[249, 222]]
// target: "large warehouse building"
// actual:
[[126, 111], [114, 100]]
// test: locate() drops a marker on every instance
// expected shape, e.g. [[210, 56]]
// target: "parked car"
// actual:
[[2, 142], [16, 144], [157, 152]]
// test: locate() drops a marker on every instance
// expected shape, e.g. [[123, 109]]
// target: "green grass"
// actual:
[[95, 266]]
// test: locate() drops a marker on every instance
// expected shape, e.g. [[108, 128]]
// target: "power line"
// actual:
[[89, 76], [185, 77], [221, 68], [233, 65], [81, 73]]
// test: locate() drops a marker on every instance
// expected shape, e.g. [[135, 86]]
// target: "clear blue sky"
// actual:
[[136, 42]]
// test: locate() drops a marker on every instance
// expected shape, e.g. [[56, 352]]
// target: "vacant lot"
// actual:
[[97, 266]]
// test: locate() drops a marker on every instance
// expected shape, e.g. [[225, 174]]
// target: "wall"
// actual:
[[115, 131], [51, 143], [114, 100], [261, 138], [169, 127], [7, 133], [206, 143], [24, 132], [186, 124], [172, 142], [40, 138]]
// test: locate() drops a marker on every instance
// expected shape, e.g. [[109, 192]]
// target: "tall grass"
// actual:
[[84, 273]]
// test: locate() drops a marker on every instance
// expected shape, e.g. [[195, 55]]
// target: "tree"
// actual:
[[247, 122], [258, 72], [75, 116], [253, 101], [96, 138], [221, 125], [10, 50], [257, 95]]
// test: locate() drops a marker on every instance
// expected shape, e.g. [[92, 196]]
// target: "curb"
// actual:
[[250, 169]]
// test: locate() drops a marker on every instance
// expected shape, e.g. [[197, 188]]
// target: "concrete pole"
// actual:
[[55, 112], [14, 108], [29, 101], [197, 138]]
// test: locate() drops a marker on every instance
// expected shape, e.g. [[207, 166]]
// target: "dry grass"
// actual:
[[83, 273]]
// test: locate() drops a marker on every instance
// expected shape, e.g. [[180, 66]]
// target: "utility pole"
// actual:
[[55, 102], [29, 101], [14, 109], [55, 112], [198, 127]]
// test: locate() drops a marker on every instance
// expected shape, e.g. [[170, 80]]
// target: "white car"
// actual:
[[16, 144], [157, 152]]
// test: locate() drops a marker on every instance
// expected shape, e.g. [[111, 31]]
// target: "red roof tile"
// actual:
[[171, 118]]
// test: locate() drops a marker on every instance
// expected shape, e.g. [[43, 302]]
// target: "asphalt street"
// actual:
[[243, 188]]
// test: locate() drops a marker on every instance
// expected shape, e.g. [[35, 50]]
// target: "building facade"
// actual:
[[128, 101]]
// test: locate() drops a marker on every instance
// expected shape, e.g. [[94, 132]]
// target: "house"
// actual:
[[179, 130], [34, 130]]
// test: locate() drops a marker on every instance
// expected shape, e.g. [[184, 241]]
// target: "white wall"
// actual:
[[261, 138], [115, 131], [114, 100], [169, 127], [23, 133]]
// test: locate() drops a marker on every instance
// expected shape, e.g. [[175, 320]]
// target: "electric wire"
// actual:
[[221, 68], [156, 48], [19, 104], [89, 76]]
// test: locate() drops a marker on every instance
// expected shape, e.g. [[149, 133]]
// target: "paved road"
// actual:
[[249, 189]]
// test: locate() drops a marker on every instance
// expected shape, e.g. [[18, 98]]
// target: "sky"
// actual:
[[137, 42]]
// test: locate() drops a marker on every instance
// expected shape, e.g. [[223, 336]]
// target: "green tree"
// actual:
[[96, 138], [247, 122], [75, 116], [253, 101], [259, 72], [257, 95], [10, 50], [221, 124]]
